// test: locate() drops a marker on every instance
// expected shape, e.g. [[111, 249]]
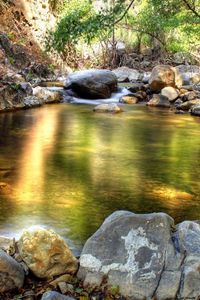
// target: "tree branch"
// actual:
[[125, 12], [189, 6], [145, 32]]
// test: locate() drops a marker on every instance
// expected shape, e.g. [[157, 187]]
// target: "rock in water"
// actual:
[[129, 99], [190, 104], [195, 110], [46, 253], [132, 252], [11, 273], [92, 84], [170, 92], [163, 76], [107, 108], [46, 95], [159, 101]]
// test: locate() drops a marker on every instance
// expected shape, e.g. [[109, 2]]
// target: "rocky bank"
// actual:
[[131, 256]]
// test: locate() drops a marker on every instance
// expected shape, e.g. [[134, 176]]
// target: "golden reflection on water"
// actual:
[[76, 167], [34, 157]]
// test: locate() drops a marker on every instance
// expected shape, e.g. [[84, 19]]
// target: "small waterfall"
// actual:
[[113, 99]]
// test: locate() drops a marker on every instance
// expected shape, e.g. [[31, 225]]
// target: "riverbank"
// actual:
[[146, 257], [23, 76]]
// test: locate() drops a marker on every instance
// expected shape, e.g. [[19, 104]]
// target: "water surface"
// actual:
[[68, 168]]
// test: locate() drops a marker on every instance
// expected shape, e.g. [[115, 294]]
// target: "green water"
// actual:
[[68, 168]]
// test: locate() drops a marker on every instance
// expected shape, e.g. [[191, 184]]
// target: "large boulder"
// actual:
[[92, 84], [135, 253], [164, 75], [46, 253], [159, 101], [11, 273], [144, 256]]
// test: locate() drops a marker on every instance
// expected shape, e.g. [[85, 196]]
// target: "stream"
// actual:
[[68, 168]]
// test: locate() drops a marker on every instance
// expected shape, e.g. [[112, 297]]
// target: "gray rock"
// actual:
[[136, 87], [11, 273], [170, 92], [189, 73], [55, 296], [159, 101], [168, 285], [125, 74], [189, 104], [178, 102], [32, 101], [92, 84], [190, 287], [188, 235], [189, 96], [132, 251], [195, 110], [26, 86]]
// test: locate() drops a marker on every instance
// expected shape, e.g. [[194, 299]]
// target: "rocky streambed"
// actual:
[[131, 256], [166, 87]]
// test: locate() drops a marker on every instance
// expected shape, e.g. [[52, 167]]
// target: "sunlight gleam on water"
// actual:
[[68, 168]]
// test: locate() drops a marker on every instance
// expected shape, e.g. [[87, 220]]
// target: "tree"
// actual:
[[81, 22]]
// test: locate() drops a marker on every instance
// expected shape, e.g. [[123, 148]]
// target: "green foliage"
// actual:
[[174, 24], [171, 22], [82, 23]]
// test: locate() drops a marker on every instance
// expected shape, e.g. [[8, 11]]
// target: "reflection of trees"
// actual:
[[122, 162], [79, 167]]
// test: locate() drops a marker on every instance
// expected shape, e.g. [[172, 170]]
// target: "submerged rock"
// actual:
[[159, 101], [5, 188], [46, 253], [107, 108], [92, 84], [11, 273], [163, 76]]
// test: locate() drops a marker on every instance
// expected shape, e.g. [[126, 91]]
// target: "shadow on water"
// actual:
[[70, 168]]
